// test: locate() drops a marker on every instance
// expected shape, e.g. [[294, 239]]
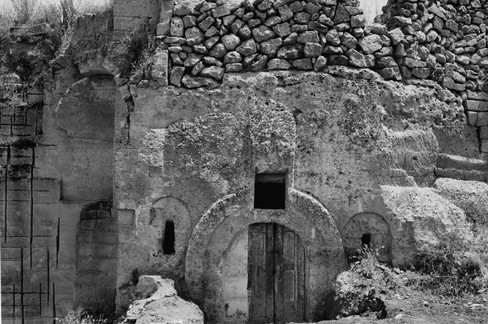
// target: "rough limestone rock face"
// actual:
[[470, 196], [161, 304], [422, 219]]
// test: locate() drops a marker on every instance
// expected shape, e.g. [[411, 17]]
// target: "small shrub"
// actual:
[[24, 10], [450, 269], [366, 261], [140, 44], [80, 316]]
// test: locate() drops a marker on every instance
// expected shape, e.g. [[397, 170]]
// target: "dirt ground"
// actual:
[[412, 306], [425, 309]]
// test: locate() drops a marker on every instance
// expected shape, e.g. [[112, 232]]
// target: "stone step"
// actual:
[[469, 175], [446, 161]]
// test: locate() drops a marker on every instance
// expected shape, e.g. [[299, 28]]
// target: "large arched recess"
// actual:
[[226, 218]]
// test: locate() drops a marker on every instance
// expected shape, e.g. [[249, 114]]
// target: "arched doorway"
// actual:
[[276, 275], [218, 249]]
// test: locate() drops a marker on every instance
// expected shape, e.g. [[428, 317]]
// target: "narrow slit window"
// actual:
[[270, 191], [169, 238]]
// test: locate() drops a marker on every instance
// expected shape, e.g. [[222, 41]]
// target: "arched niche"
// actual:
[[230, 216], [371, 230], [164, 212]]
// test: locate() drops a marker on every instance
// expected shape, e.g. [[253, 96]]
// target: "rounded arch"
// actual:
[[368, 229], [214, 232]]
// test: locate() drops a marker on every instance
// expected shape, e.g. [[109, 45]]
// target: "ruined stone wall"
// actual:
[[57, 159], [226, 95]]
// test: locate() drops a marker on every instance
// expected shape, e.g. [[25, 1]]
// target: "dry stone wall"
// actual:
[[427, 43], [425, 40]]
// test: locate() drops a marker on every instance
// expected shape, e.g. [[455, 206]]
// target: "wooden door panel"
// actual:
[[276, 275], [279, 285], [269, 282], [257, 272]]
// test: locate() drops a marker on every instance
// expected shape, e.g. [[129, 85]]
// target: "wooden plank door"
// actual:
[[276, 275]]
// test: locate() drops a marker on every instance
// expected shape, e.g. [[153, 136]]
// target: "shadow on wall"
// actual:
[[96, 259]]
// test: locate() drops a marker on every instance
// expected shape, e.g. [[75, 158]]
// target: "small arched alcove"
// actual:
[[171, 223], [368, 230]]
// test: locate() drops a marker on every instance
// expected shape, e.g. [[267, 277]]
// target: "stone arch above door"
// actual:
[[227, 217]]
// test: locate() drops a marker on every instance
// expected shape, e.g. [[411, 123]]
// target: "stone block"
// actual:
[[231, 41], [341, 14], [476, 105], [232, 57], [482, 119], [481, 95], [177, 27], [483, 132], [360, 60], [308, 37], [370, 44], [320, 63], [260, 63], [303, 64], [214, 72], [197, 82], [159, 71], [271, 47], [176, 75], [472, 118], [290, 52], [421, 73], [233, 67], [312, 49], [278, 64], [194, 36], [396, 35], [262, 33]]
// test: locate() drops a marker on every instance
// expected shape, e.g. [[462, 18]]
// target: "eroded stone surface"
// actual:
[[160, 304], [422, 219]]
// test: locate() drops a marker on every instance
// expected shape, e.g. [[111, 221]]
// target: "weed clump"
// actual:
[[81, 316], [453, 267], [362, 289]]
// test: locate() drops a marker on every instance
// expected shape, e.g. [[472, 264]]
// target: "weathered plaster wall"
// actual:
[[338, 137]]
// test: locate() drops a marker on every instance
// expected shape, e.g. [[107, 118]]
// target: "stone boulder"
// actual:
[[161, 304], [421, 220], [470, 196]]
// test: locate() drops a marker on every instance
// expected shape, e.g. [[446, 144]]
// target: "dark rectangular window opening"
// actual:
[[270, 191], [169, 238]]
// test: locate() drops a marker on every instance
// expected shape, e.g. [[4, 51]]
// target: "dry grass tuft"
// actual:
[[54, 12]]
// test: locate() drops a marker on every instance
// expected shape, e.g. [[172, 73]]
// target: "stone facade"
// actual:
[[146, 161]]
